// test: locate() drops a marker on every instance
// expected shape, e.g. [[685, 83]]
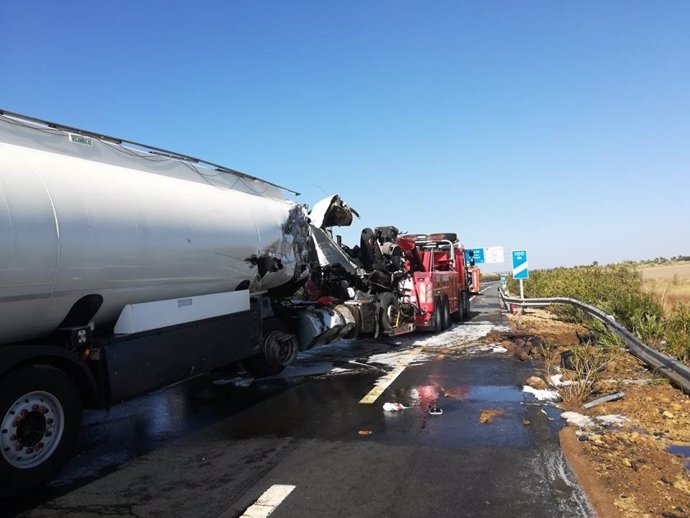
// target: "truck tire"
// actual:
[[278, 349], [389, 311], [40, 416], [446, 321], [466, 304], [437, 316]]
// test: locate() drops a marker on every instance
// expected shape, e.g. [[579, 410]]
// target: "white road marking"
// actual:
[[384, 381], [268, 502]]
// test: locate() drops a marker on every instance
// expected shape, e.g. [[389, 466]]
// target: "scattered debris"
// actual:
[[393, 407], [542, 395], [629, 458], [237, 381], [434, 410], [364, 432], [604, 399], [526, 422], [488, 415]]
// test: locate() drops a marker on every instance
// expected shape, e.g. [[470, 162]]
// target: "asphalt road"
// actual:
[[213, 446]]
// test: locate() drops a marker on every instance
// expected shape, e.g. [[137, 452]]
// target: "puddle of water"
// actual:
[[681, 449], [495, 393]]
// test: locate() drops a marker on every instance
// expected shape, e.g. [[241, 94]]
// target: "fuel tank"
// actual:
[[83, 216]]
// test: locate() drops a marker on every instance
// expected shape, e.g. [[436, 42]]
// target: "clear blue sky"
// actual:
[[560, 127]]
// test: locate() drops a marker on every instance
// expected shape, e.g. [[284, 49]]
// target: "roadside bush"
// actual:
[[587, 363], [617, 290], [678, 333]]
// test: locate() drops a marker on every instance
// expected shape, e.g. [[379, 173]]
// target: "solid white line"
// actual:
[[384, 382], [268, 502]]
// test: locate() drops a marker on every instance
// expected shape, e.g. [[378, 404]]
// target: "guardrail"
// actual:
[[669, 367]]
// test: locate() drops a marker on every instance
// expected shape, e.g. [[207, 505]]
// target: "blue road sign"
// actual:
[[520, 269], [478, 255]]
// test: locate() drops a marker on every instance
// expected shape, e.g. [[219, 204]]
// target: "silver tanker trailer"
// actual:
[[125, 268]]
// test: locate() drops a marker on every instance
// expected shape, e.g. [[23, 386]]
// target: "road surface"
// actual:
[[303, 444]]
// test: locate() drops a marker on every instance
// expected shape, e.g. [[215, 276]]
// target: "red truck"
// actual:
[[421, 280], [439, 279]]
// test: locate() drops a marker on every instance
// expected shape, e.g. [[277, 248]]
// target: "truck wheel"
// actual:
[[40, 409], [390, 311], [278, 349], [465, 305], [437, 317], [445, 316]]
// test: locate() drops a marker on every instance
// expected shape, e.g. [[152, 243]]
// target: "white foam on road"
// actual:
[[577, 419], [542, 394], [488, 348], [583, 421], [384, 382]]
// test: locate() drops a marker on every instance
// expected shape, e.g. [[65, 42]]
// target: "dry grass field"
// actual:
[[670, 283]]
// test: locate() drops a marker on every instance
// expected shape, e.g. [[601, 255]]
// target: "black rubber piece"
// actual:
[[386, 301], [257, 365]]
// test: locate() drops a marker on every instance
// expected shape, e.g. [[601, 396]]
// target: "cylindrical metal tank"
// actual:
[[83, 216]]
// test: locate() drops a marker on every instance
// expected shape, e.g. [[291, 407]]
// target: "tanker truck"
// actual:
[[125, 268]]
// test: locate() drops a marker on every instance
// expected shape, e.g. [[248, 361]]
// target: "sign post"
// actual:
[[520, 269]]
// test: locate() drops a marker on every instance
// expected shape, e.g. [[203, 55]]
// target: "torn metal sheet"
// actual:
[[332, 212]]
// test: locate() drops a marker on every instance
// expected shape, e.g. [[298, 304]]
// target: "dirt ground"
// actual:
[[638, 467]]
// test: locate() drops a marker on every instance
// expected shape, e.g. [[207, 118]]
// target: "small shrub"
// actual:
[[678, 333], [587, 363]]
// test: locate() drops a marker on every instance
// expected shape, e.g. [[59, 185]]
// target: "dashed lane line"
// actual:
[[480, 292], [268, 502]]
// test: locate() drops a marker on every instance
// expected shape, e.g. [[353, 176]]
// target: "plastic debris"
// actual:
[[604, 399], [434, 410], [393, 407]]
